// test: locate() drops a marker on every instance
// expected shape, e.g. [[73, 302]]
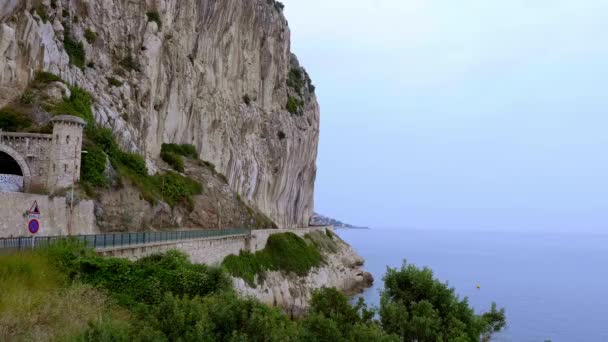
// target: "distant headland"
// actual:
[[322, 220]]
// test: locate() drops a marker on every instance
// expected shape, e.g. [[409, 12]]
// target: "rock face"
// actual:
[[343, 270], [209, 73]]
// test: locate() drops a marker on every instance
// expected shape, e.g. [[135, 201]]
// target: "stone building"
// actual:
[[42, 162]]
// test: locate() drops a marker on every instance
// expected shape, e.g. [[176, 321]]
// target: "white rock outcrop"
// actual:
[[342, 270], [183, 81]]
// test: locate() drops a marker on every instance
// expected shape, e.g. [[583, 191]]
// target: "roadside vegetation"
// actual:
[[284, 252], [69, 293]]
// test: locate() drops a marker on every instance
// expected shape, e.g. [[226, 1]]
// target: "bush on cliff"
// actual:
[[285, 252], [78, 104], [13, 120], [172, 154], [74, 49]]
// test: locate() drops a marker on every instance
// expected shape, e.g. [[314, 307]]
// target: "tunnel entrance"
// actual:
[[8, 165], [11, 175]]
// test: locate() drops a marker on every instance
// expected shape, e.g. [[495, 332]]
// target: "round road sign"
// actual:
[[33, 226]]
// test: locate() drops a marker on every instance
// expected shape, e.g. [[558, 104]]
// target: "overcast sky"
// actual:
[[471, 114]]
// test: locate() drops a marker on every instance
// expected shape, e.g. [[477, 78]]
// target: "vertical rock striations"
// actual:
[[214, 73]]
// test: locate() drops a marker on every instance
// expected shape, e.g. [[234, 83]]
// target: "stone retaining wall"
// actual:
[[209, 251], [54, 219]]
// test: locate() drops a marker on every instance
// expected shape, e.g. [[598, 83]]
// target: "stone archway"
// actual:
[[25, 170]]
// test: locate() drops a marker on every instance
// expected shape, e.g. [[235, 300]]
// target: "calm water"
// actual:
[[553, 286]]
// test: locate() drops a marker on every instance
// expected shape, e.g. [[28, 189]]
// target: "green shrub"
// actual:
[[176, 188], [172, 154], [74, 49], [28, 97], [186, 150], [79, 104], [155, 17], [295, 80], [46, 77], [114, 82], [285, 252], [294, 105], [90, 36], [416, 306], [171, 187], [175, 160], [145, 280], [134, 162], [93, 166], [130, 63], [13, 120]]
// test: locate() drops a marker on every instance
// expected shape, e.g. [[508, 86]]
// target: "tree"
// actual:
[[418, 307]]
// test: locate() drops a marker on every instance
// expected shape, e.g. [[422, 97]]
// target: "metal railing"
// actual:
[[120, 239]]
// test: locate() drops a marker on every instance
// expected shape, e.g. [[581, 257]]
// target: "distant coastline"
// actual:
[[322, 220]]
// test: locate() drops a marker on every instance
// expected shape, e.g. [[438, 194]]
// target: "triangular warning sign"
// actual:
[[34, 208]]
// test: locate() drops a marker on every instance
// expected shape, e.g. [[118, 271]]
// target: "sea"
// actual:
[[554, 286]]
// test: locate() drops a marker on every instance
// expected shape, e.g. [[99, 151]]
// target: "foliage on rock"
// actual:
[[13, 120], [172, 154], [74, 49], [284, 252]]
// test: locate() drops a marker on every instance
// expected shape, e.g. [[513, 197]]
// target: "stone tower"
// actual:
[[64, 158]]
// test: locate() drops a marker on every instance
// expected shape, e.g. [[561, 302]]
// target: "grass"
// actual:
[[325, 242], [284, 252], [37, 305], [45, 77]]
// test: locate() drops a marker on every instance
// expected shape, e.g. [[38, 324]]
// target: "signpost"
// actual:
[[33, 226]]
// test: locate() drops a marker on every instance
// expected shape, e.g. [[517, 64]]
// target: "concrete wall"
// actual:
[[209, 251], [54, 218]]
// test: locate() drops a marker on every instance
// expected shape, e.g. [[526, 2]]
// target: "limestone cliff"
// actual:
[[215, 74]]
